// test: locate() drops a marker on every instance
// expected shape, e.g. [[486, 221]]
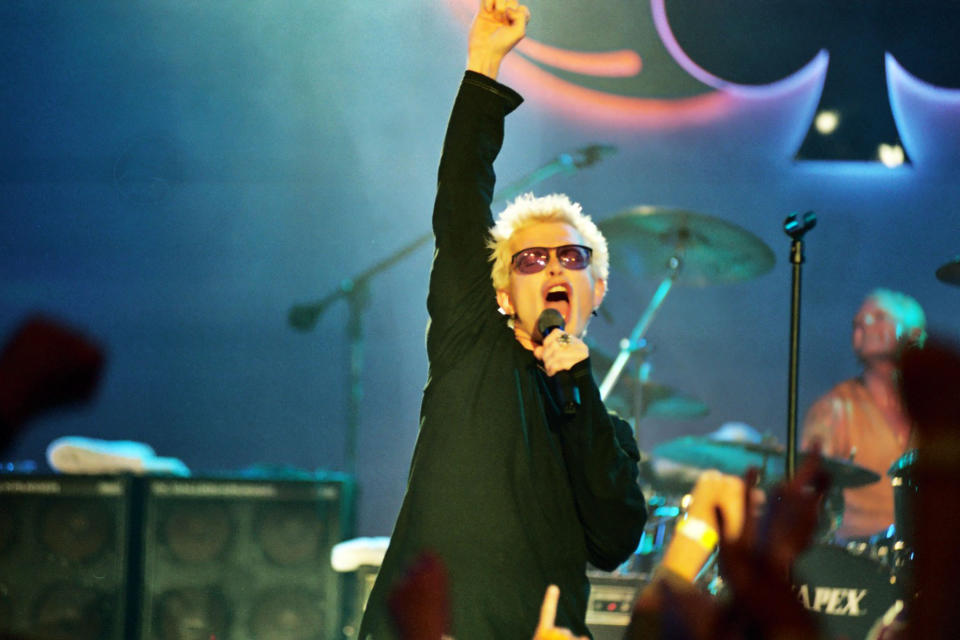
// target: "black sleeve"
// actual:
[[460, 286], [602, 458]]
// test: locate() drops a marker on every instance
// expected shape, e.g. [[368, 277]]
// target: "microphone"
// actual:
[[567, 394]]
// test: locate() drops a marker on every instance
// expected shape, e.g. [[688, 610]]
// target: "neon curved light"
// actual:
[[611, 64], [900, 80], [581, 103], [811, 73], [572, 100], [926, 114]]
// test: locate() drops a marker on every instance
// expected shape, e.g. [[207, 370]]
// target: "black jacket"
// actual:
[[508, 492]]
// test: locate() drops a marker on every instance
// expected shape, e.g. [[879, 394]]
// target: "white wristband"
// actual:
[[699, 531]]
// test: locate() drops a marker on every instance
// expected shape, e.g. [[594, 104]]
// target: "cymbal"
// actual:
[[729, 457], [950, 272], [645, 240], [668, 477], [657, 400], [736, 457]]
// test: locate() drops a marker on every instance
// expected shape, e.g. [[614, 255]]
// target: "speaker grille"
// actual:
[[63, 556], [242, 559]]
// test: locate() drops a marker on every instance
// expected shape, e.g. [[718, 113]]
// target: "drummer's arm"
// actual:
[[825, 423]]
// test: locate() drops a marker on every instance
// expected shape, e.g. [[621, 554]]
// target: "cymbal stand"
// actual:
[[796, 226], [640, 399], [634, 342]]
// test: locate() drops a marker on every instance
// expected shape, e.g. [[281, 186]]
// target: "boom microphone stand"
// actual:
[[796, 226]]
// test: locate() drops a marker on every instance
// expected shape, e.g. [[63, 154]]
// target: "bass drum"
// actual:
[[847, 594]]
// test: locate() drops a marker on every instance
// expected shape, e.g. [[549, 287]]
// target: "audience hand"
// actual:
[[44, 365], [548, 615]]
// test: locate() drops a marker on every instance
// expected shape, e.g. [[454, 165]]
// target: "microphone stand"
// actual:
[[356, 291], [795, 226]]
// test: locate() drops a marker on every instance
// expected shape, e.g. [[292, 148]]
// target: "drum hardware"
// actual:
[[903, 479], [663, 514], [639, 397], [680, 247], [887, 550]]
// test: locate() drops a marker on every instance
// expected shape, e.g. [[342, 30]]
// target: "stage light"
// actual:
[[891, 155], [827, 121]]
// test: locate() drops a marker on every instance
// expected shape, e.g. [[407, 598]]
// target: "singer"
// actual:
[[510, 491]]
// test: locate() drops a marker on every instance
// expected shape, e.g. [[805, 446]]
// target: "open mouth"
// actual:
[[558, 297]]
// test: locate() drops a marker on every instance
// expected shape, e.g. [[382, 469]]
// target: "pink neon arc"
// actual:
[[610, 64], [580, 103]]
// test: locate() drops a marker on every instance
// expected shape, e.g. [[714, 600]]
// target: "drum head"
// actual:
[[846, 593]]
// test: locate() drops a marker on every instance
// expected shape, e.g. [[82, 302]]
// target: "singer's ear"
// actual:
[[503, 299], [599, 291]]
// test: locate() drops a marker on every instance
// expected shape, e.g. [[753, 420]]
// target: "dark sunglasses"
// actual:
[[536, 259]]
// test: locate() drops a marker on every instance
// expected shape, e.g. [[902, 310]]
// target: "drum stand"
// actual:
[[635, 342]]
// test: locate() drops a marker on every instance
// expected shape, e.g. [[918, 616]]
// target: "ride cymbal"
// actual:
[[648, 241]]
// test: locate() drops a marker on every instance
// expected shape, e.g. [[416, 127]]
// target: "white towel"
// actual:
[[350, 555], [75, 454]]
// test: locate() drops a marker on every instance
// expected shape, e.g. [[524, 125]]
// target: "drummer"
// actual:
[[863, 417]]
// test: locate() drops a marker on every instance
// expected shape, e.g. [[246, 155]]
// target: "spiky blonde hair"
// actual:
[[528, 210]]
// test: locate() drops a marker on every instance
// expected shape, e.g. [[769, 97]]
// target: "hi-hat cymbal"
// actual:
[[950, 272], [656, 400], [645, 240], [736, 457]]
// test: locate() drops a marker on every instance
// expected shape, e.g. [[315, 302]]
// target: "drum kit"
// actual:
[[685, 248]]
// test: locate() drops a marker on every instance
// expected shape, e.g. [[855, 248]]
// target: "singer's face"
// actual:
[[575, 293]]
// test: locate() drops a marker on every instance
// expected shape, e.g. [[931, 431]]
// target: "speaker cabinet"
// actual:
[[242, 559], [63, 556]]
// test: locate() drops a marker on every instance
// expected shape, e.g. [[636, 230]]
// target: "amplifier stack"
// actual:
[[116, 557]]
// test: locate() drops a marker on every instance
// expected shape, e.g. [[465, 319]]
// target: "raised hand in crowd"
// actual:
[[672, 606], [755, 553], [420, 602], [930, 386], [756, 565], [44, 365], [546, 627]]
